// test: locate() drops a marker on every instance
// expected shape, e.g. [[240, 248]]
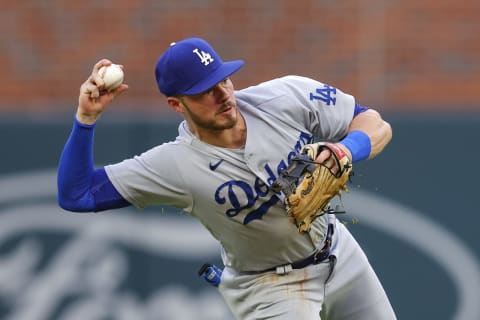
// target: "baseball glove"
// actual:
[[309, 186]]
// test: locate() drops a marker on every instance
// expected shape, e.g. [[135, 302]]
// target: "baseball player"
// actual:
[[230, 148]]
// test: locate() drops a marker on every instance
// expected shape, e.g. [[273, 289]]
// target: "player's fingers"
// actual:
[[108, 96], [95, 76], [329, 163], [323, 156], [101, 63], [91, 89], [123, 87], [334, 168]]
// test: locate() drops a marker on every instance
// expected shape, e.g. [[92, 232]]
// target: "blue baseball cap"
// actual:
[[191, 66]]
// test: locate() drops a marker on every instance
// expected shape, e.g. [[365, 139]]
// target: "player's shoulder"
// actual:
[[281, 86], [283, 82], [295, 80], [289, 86], [181, 147], [181, 144]]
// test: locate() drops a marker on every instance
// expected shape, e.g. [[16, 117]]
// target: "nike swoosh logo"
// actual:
[[214, 166]]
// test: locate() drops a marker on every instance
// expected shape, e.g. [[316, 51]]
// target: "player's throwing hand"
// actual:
[[93, 98]]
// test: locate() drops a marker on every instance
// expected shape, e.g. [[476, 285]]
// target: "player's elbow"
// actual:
[[381, 137], [388, 132], [74, 205], [385, 132]]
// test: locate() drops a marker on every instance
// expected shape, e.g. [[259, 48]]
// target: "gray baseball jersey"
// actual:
[[227, 190]]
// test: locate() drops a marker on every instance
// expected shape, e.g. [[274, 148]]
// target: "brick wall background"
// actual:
[[394, 55]]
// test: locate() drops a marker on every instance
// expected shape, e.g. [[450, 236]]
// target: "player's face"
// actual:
[[214, 109]]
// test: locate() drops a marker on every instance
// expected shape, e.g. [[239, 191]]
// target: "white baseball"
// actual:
[[112, 75]]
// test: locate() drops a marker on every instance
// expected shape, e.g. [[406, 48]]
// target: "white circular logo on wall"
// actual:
[[69, 266], [59, 265]]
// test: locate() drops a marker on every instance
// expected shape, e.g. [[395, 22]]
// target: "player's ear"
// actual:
[[175, 103]]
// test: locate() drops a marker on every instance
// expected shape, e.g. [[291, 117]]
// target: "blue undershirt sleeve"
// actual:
[[359, 109], [81, 188]]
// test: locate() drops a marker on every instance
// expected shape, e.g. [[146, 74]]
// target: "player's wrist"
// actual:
[[86, 119], [345, 150], [359, 145], [84, 122]]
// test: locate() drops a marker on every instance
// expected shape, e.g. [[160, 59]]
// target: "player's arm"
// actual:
[[367, 136], [81, 187]]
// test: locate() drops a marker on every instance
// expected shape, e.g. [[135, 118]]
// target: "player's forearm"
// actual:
[[75, 169], [378, 130], [81, 187], [368, 135]]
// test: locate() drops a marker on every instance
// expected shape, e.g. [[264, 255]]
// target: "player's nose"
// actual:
[[221, 92]]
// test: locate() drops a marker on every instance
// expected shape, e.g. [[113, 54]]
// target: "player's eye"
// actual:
[[207, 92], [210, 91]]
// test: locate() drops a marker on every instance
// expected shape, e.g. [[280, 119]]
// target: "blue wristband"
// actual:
[[359, 145]]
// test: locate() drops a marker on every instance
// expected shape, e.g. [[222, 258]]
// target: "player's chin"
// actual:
[[227, 119]]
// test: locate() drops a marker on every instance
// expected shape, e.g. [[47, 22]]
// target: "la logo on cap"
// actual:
[[191, 66], [205, 57]]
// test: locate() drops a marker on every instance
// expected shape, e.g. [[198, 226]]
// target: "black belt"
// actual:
[[317, 257]]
